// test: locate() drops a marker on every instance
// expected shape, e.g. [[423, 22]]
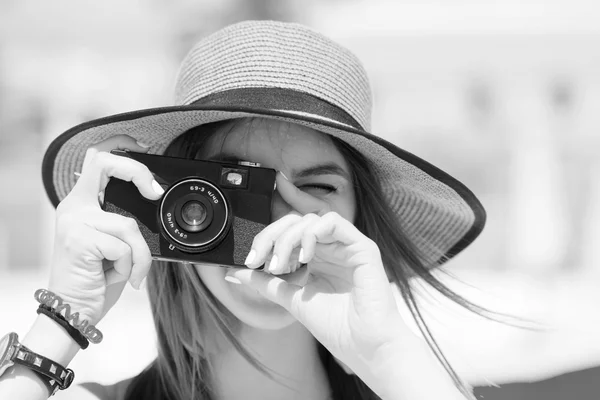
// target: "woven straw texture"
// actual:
[[271, 54]]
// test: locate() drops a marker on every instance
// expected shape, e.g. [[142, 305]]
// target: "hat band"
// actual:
[[259, 99]]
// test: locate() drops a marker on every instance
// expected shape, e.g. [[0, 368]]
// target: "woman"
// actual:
[[351, 213]]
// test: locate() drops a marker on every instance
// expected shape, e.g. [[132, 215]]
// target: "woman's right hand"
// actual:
[[96, 252]]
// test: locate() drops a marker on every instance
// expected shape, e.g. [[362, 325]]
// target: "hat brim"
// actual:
[[440, 214]]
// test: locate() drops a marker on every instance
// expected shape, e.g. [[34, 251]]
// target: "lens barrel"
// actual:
[[194, 214]]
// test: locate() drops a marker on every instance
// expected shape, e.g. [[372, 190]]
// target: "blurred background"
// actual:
[[504, 95]]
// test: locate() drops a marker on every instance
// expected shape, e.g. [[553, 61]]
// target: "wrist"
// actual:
[[86, 307], [80, 329], [49, 339]]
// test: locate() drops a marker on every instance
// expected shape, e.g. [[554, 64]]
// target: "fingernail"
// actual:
[[233, 279], [301, 256], [157, 188], [250, 257], [142, 285], [273, 263], [142, 144], [282, 174]]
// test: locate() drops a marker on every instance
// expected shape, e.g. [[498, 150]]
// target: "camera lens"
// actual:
[[193, 213]]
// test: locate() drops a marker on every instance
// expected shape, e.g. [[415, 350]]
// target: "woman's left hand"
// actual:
[[346, 303]]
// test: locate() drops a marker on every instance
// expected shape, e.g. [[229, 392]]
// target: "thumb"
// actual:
[[269, 286], [300, 201]]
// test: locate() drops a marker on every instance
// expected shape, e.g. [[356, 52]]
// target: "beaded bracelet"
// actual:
[[71, 330], [48, 298]]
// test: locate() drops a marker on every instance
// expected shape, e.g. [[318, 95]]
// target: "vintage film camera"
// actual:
[[210, 211]]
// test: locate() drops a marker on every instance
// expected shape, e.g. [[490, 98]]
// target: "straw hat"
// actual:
[[288, 72]]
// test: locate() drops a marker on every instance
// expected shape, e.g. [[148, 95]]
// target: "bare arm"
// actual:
[[95, 254]]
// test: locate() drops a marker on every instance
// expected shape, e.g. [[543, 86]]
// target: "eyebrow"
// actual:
[[329, 168]]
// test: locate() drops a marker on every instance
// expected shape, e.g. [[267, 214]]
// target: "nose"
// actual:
[[279, 207]]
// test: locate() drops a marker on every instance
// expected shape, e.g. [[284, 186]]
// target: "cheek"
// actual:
[[350, 208], [213, 278], [345, 205]]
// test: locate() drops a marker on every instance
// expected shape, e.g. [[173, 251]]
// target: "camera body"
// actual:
[[210, 211]]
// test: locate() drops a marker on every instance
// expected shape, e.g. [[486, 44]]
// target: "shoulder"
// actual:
[[97, 391]]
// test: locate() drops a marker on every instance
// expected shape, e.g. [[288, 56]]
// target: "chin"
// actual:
[[245, 303]]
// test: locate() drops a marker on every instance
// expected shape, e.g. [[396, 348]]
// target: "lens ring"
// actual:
[[190, 237]]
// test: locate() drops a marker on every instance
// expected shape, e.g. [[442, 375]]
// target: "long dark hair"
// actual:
[[182, 305]]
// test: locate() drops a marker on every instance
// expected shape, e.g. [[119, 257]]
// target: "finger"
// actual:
[[328, 229], [104, 165], [361, 253], [128, 231], [271, 287], [285, 244], [264, 241], [117, 252], [120, 142], [113, 277], [301, 201]]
